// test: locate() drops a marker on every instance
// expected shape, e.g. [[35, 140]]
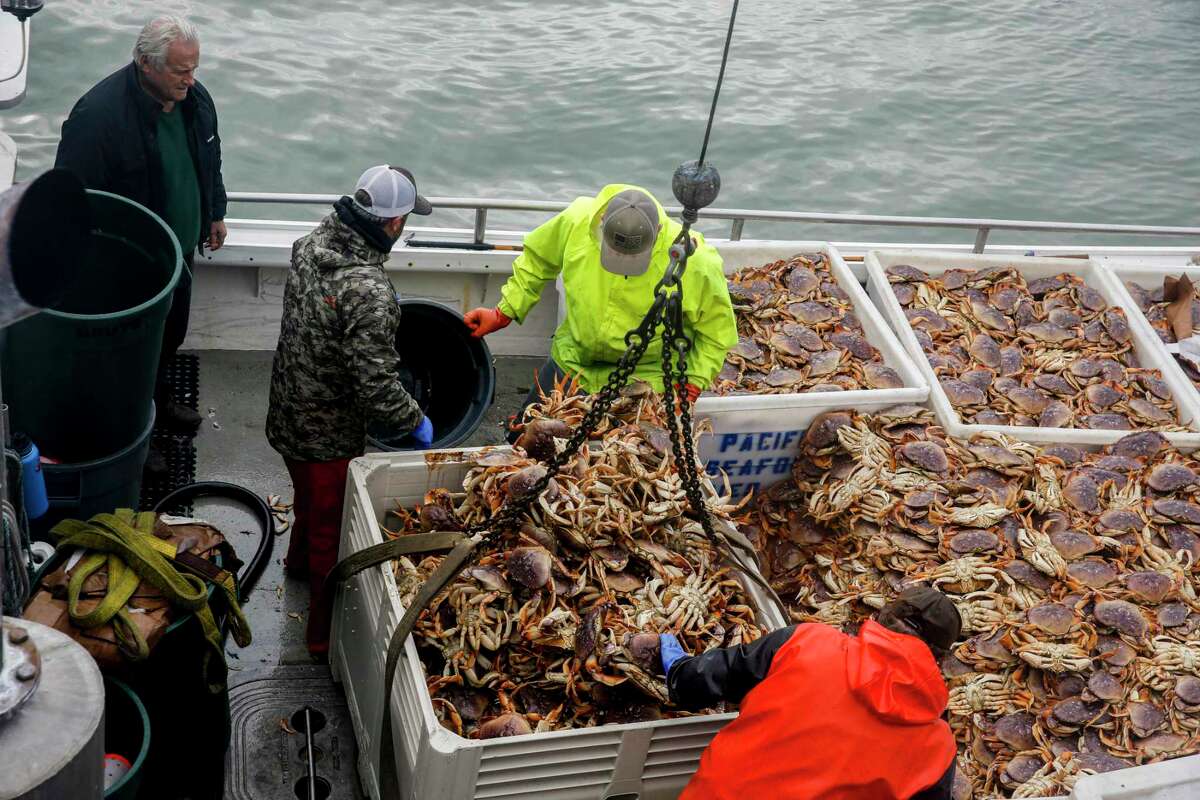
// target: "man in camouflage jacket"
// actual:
[[336, 368]]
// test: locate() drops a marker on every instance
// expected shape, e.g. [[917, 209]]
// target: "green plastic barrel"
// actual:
[[80, 491], [127, 734], [79, 379]]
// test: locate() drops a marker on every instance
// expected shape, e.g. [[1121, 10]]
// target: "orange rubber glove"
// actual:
[[692, 390], [483, 321]]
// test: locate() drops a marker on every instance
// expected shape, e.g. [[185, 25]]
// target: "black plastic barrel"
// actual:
[[79, 379], [450, 374]]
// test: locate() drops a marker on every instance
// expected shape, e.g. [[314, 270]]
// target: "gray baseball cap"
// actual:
[[628, 233]]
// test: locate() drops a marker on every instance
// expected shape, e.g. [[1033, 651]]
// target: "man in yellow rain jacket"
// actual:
[[612, 249]]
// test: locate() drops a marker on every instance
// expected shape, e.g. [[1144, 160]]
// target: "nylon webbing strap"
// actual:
[[731, 537], [122, 539], [460, 547], [386, 551]]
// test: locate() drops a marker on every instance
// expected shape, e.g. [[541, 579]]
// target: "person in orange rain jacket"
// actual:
[[824, 714]]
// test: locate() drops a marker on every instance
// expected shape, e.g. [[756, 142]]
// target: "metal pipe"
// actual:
[[480, 224], [981, 239], [742, 215], [308, 745], [735, 231]]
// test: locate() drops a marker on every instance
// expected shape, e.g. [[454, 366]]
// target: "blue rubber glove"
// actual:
[[423, 434], [670, 650]]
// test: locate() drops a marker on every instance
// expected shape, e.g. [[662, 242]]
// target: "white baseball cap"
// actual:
[[393, 193]]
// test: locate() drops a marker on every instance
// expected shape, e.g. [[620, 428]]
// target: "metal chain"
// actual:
[[667, 305], [675, 341]]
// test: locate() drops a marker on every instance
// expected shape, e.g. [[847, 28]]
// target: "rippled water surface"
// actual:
[[1084, 111]]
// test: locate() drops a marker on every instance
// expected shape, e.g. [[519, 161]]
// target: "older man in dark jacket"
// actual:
[[148, 132]]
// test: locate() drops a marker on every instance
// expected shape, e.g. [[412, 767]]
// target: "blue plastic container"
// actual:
[[33, 480]]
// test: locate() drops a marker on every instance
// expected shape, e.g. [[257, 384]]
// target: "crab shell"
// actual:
[[1103, 686], [522, 481], [1053, 618], [1145, 718], [530, 566], [822, 431], [926, 455], [537, 439], [509, 724], [1152, 587], [1122, 617], [1016, 730]]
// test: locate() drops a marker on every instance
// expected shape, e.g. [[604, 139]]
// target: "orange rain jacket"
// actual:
[[824, 715]]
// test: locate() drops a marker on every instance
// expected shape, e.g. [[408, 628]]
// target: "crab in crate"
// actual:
[[798, 332], [1048, 352], [545, 629], [1075, 573]]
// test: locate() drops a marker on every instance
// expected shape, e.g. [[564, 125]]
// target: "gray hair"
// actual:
[[158, 35]]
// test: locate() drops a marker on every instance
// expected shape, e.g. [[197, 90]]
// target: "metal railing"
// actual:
[[739, 216]]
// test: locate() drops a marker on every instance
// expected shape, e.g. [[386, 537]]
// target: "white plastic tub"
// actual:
[[756, 437], [1147, 347], [1177, 779], [1117, 273], [638, 761]]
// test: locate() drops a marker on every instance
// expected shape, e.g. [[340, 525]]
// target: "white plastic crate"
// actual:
[[1117, 272], [1146, 346], [756, 437], [1178, 779], [642, 761]]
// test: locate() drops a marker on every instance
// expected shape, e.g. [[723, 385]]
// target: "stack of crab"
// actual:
[[1049, 352], [555, 625], [1075, 574], [1154, 306], [797, 332]]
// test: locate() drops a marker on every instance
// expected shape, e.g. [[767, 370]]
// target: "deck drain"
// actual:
[[297, 720], [302, 754], [322, 789]]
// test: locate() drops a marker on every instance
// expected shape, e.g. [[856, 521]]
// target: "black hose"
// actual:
[[231, 491]]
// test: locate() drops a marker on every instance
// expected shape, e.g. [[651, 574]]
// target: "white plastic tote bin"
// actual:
[[638, 761], [756, 437], [1118, 274], [1178, 779], [1149, 350]]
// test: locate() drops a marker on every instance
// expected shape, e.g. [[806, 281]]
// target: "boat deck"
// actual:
[[233, 394]]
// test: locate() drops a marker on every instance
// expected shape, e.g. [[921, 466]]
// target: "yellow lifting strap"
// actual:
[[125, 542]]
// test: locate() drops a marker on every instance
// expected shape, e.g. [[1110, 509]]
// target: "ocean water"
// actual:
[[1029, 109]]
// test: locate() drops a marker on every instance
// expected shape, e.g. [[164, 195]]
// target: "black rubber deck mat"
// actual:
[[183, 376], [265, 761]]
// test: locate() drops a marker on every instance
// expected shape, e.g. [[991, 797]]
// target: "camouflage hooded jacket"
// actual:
[[335, 367]]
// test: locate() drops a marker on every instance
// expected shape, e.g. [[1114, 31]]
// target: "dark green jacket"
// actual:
[[110, 141], [336, 370]]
